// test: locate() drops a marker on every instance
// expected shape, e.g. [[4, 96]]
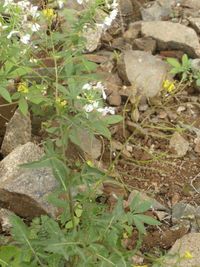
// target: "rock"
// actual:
[[6, 110], [178, 37], [179, 145], [172, 53], [26, 207], [188, 243], [160, 10], [4, 220], [155, 204], [183, 210], [89, 144], [132, 32], [126, 10], [145, 44], [193, 4], [93, 37], [195, 64], [18, 132], [24, 191], [162, 215], [197, 145], [144, 71], [114, 99], [195, 23]]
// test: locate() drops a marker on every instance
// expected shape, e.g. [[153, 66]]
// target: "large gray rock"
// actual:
[[159, 10], [195, 23], [179, 144], [24, 191], [188, 244], [18, 132], [194, 4], [143, 71], [171, 35]]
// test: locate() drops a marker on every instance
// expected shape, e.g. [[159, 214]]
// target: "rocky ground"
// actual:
[[155, 150]]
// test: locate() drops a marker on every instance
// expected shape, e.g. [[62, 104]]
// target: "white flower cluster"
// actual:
[[94, 104], [26, 26], [113, 11]]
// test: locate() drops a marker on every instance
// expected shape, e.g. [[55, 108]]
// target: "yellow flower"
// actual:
[[48, 13], [187, 255], [60, 102], [125, 235], [90, 163], [140, 265], [168, 86], [23, 88]]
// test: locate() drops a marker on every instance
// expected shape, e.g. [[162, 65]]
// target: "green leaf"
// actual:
[[10, 255], [44, 162], [174, 62], [198, 82], [143, 206], [147, 219], [112, 119], [135, 202], [78, 211], [185, 60], [139, 224], [176, 70], [60, 171], [69, 225], [5, 94], [101, 129], [23, 105]]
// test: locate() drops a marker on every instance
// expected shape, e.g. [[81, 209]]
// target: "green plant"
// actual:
[[69, 98], [185, 69]]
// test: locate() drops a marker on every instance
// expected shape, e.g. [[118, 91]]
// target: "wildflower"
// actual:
[[60, 102], [60, 4], [90, 163], [7, 2], [187, 255], [140, 265], [11, 34], [35, 27], [106, 110], [48, 13], [109, 19], [90, 107], [80, 2], [25, 38], [33, 11], [168, 86], [87, 86], [23, 88], [101, 87]]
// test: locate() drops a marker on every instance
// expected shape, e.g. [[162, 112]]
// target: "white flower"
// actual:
[[109, 19], [91, 107], [11, 34], [101, 87], [25, 38], [23, 4], [3, 27], [80, 2], [106, 110], [60, 4], [87, 86], [7, 2], [35, 27], [33, 11], [88, 108]]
